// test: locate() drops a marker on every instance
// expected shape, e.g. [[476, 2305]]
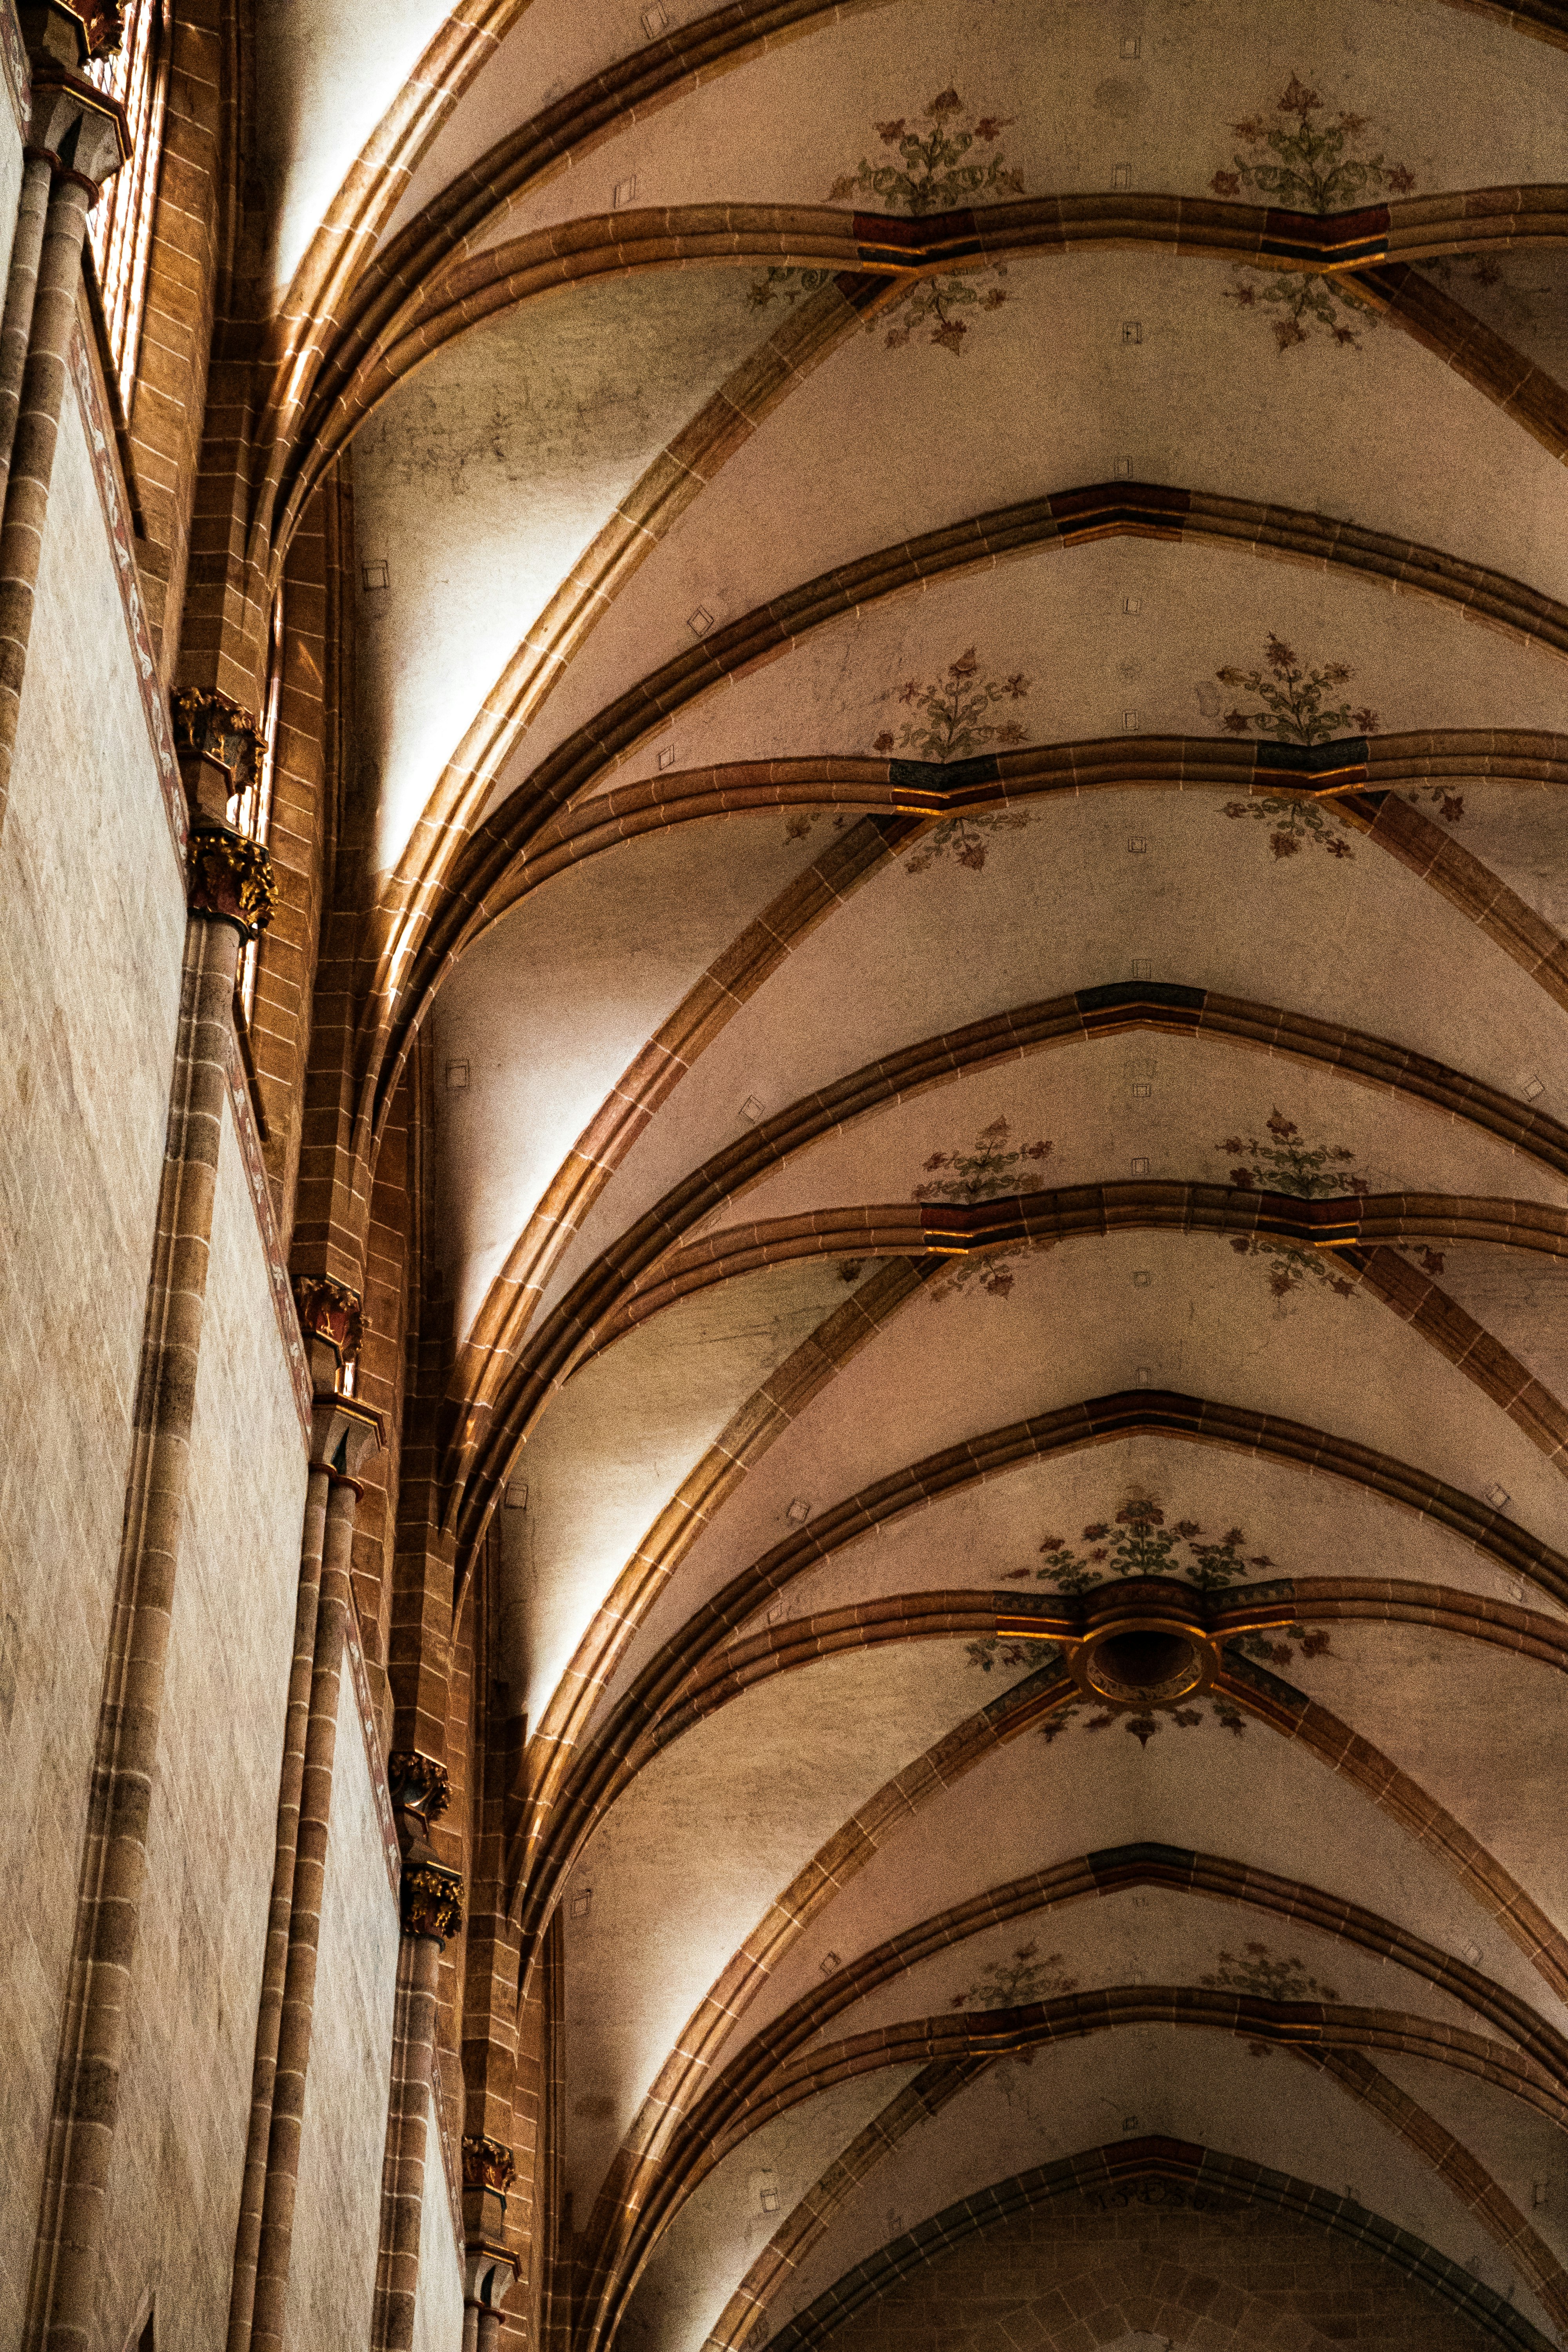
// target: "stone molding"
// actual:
[[89, 28], [431, 1901]]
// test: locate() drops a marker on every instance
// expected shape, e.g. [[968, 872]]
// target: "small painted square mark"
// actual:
[[1132, 46], [1498, 1496], [517, 1495], [456, 1077], [1137, 845], [1142, 968], [1123, 469], [666, 757], [582, 1903], [1529, 1085], [751, 1109], [1121, 177], [1131, 331], [654, 18], [375, 577], [1145, 1377], [1142, 1279], [1132, 604], [798, 1512], [1129, 722], [829, 1962], [700, 622], [1142, 1087], [626, 192], [1140, 1167]]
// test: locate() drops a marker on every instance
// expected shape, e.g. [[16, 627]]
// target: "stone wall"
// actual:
[[174, 2181], [91, 927], [331, 2281]]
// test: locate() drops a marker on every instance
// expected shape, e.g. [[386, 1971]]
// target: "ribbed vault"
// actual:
[[960, 827]]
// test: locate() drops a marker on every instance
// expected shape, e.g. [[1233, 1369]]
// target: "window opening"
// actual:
[[120, 226], [253, 809]]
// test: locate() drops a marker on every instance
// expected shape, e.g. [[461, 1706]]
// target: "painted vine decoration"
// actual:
[[951, 718], [1290, 705], [1256, 1970], [1303, 157], [1306, 1172], [1022, 1977], [983, 1173], [937, 170]]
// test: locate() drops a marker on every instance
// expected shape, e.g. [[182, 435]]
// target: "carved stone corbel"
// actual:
[[214, 742], [331, 1317]]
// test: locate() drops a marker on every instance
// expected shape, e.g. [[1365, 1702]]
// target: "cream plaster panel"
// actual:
[[617, 1445], [690, 1856], [479, 483], [551, 1007], [1060, 617], [1492, 1750], [1519, 295], [1205, 401], [438, 2307], [989, 1538], [92, 928], [1522, 2150], [1061, 905], [782, 128], [1076, 1324], [327, 72], [10, 180], [720, 2231], [1522, 1301], [185, 2108], [1153, 1937], [1080, 1098], [1523, 837], [1187, 2083], [337, 2219], [1253, 1797]]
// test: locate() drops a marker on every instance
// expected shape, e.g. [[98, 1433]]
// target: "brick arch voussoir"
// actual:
[[1112, 2175]]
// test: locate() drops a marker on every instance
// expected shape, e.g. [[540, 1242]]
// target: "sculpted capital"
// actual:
[[231, 880]]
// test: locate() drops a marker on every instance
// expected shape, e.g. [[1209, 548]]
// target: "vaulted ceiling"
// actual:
[[961, 610]]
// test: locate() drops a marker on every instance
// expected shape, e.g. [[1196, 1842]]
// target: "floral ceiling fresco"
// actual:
[[1303, 157]]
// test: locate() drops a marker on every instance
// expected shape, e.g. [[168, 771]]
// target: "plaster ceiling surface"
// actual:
[[904, 995], [1073, 106]]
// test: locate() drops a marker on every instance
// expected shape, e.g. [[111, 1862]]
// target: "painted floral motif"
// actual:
[[777, 284], [1449, 805], [1307, 1173], [1256, 1970], [1292, 699], [984, 1173], [942, 304], [1008, 1984], [1136, 1542], [1302, 158], [1294, 301], [1289, 1164], [949, 720], [963, 839], [993, 1272], [935, 169], [1144, 1728]]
